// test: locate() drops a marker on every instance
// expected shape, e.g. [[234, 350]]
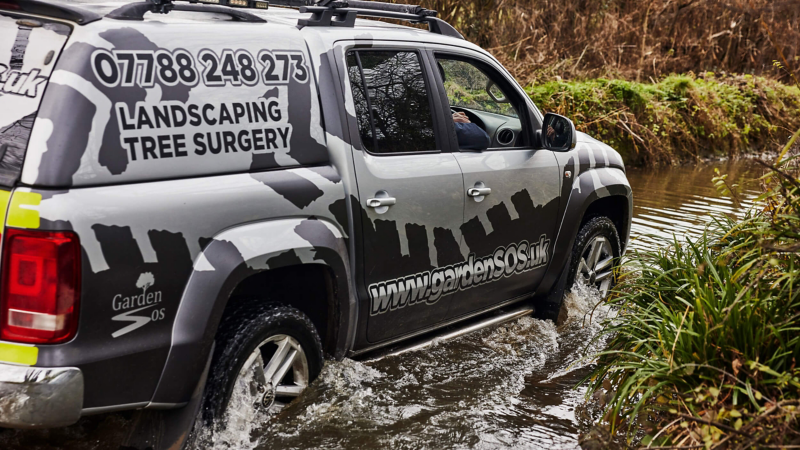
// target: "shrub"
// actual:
[[707, 339], [680, 118]]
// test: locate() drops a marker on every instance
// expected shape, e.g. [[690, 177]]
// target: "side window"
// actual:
[[487, 111], [391, 101], [468, 87]]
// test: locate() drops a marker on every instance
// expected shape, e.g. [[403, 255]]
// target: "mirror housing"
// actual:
[[557, 134]]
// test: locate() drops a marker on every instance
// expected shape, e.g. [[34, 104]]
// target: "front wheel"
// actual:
[[598, 248], [594, 256]]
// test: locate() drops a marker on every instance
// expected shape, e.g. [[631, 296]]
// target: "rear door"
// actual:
[[410, 187], [512, 189], [29, 49]]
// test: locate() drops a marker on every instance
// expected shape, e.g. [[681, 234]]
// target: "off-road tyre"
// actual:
[[240, 332], [551, 306]]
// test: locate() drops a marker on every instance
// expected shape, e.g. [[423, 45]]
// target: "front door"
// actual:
[[511, 209], [411, 190]]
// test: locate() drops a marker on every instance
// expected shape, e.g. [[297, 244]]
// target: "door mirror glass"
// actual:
[[558, 133]]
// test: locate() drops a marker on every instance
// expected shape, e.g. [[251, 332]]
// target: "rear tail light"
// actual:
[[40, 286], [9, 5]]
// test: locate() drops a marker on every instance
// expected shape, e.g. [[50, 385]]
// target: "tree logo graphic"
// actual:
[[145, 281]]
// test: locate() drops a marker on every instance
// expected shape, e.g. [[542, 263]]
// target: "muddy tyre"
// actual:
[[269, 351], [594, 256]]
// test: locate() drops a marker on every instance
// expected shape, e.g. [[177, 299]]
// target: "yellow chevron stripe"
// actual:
[[20, 217], [26, 355]]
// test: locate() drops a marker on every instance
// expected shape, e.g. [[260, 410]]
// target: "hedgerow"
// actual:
[[679, 118]]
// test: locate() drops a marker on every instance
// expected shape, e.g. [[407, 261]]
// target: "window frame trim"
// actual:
[[431, 89]]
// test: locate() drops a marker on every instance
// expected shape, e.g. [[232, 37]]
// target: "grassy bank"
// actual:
[[705, 351], [679, 118]]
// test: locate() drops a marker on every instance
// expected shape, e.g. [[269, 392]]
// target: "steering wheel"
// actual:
[[472, 117]]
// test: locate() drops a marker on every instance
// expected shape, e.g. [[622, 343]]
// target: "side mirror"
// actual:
[[557, 134]]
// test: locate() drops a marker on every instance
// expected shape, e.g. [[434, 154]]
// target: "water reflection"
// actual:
[[679, 201]]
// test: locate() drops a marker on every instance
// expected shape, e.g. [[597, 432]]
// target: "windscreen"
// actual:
[[29, 49]]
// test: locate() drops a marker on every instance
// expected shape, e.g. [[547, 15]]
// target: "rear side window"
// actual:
[[392, 104], [28, 51]]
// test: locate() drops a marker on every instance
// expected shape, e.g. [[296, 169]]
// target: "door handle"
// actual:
[[479, 191], [383, 201]]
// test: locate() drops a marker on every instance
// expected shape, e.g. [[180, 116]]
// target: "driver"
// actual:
[[470, 136]]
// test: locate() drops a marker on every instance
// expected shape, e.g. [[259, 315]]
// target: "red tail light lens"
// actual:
[[9, 5], [41, 286]]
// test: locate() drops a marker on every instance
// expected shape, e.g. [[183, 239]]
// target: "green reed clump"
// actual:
[[706, 344], [679, 118]]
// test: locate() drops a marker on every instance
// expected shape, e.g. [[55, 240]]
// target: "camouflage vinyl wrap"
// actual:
[[161, 156], [190, 154]]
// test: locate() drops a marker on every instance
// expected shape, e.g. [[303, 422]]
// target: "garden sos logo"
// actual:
[[231, 67], [139, 307]]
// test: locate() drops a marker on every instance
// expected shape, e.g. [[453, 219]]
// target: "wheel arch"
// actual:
[[310, 288], [616, 208], [595, 192], [239, 261]]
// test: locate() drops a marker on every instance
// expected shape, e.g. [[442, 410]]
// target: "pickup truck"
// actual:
[[196, 194]]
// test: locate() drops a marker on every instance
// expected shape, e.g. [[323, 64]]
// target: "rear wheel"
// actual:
[[265, 356], [280, 371]]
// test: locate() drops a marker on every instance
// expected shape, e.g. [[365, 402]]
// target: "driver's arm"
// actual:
[[470, 136]]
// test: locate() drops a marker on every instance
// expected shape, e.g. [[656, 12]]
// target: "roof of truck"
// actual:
[[274, 15], [279, 16]]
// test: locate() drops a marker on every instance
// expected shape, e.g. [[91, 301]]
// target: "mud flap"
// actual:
[[549, 307], [167, 430]]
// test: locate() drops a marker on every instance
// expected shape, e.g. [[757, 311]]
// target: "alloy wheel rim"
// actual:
[[596, 264], [282, 377]]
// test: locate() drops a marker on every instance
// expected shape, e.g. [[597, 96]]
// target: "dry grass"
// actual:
[[635, 40], [611, 66]]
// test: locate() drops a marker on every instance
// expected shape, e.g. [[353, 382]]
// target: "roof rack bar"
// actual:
[[136, 11], [392, 7], [292, 3], [53, 9], [342, 13]]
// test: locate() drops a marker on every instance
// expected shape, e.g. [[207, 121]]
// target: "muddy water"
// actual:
[[512, 386], [509, 386]]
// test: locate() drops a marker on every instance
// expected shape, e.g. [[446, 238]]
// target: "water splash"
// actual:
[[504, 386], [243, 422]]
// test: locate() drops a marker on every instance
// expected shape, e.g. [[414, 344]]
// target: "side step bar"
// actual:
[[488, 322]]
